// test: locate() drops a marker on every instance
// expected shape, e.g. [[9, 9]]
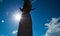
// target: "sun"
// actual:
[[17, 16]]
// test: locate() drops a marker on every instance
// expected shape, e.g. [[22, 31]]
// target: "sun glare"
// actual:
[[17, 17]]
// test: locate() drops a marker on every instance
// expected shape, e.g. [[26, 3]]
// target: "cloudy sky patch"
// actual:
[[14, 32], [53, 27]]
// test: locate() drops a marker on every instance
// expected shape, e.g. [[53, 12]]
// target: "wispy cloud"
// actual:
[[1, 1], [2, 35], [14, 32], [53, 27], [34, 1]]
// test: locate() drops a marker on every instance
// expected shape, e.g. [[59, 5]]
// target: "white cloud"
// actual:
[[14, 32], [53, 27]]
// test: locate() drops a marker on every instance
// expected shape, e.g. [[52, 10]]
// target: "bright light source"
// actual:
[[17, 16]]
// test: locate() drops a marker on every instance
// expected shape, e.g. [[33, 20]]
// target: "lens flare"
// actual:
[[17, 16]]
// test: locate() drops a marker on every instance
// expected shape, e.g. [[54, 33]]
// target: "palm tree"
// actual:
[[25, 24]]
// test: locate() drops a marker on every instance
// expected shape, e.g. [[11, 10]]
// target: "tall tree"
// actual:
[[25, 24]]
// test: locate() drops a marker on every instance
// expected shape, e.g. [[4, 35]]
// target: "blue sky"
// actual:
[[44, 12]]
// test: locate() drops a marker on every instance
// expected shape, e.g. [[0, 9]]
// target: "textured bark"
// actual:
[[25, 24]]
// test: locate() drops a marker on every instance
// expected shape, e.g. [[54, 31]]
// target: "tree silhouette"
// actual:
[[25, 24]]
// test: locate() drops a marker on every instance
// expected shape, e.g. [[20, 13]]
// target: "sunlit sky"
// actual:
[[44, 12]]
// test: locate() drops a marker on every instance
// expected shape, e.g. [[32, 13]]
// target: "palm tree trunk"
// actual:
[[25, 25]]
